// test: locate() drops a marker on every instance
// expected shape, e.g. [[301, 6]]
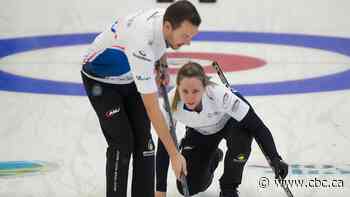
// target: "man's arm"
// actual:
[[141, 59], [158, 121]]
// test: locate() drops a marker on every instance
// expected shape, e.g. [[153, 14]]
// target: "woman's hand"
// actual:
[[178, 163]]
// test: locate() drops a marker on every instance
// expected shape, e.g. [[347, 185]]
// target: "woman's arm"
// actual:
[[162, 165]]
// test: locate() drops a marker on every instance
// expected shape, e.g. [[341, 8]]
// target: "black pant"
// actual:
[[126, 127], [199, 151]]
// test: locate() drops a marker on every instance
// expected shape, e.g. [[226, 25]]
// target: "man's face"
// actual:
[[181, 35]]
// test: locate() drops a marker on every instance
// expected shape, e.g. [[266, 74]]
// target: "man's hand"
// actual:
[[160, 194], [178, 163], [162, 78], [280, 167], [162, 72]]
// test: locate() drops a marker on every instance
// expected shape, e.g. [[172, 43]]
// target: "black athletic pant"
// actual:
[[126, 127], [199, 151]]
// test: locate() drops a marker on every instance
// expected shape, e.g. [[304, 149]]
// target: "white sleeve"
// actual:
[[141, 59], [230, 103]]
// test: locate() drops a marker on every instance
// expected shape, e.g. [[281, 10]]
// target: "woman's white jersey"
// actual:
[[219, 104]]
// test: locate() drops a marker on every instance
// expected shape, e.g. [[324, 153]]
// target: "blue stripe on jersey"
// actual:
[[111, 62]]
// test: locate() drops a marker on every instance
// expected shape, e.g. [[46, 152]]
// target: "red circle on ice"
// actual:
[[228, 62]]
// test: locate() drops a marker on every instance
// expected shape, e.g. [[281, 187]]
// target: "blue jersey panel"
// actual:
[[111, 62]]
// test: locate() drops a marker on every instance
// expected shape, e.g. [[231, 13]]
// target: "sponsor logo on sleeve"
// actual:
[[141, 55], [154, 14], [210, 96], [225, 100], [213, 114], [142, 78], [130, 21], [235, 105]]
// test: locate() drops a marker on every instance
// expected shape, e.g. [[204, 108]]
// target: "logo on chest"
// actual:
[[213, 114]]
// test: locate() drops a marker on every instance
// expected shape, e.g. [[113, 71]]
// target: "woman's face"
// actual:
[[191, 91]]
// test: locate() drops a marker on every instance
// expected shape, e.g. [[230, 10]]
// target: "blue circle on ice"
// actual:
[[331, 82]]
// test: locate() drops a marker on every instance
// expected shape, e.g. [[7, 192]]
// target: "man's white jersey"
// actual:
[[219, 104], [127, 51]]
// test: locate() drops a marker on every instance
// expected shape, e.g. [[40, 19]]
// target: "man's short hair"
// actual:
[[181, 11]]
